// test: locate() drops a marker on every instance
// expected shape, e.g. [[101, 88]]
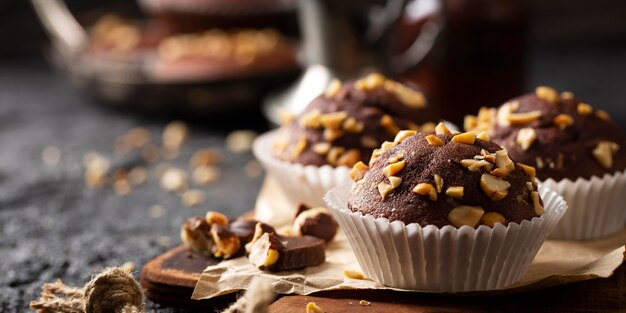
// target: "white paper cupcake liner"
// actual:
[[301, 184], [597, 206], [444, 259]]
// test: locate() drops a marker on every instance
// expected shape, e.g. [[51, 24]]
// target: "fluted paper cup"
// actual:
[[596, 206], [446, 259], [301, 184]]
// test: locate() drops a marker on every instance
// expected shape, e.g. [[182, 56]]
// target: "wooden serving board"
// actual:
[[170, 278]]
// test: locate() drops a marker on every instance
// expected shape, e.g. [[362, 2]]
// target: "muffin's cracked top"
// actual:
[[342, 126], [445, 179], [560, 135]]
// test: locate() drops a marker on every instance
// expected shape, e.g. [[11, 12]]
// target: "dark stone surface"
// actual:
[[51, 226]]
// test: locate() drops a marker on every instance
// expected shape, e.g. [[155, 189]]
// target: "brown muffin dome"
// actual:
[[445, 179], [558, 134], [344, 125]]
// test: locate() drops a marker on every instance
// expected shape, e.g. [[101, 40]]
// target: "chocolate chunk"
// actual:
[[272, 252]]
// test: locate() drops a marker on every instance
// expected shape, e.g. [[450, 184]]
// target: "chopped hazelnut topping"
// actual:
[[584, 109], [603, 115], [547, 94], [502, 115], [387, 145], [334, 154], [311, 307], [333, 120], [529, 170], [467, 138], [563, 120], [353, 274], [321, 148], [406, 95], [370, 82], [394, 181], [393, 168], [369, 142], [519, 119], [384, 189], [426, 189], [299, 147], [534, 196], [455, 192], [483, 136], [503, 163], [349, 158], [604, 153], [441, 129], [351, 125], [475, 165], [358, 171], [470, 122], [526, 137], [434, 141], [438, 183], [465, 215], [530, 186], [567, 95], [330, 134], [218, 218], [491, 218], [494, 187], [389, 125], [403, 134], [375, 154], [311, 119], [333, 88]]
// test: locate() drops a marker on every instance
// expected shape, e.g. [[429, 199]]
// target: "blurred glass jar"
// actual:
[[479, 59]]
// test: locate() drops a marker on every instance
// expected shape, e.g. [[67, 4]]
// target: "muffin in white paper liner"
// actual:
[[444, 259], [301, 184], [597, 206]]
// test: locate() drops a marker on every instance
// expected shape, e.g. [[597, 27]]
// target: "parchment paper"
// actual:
[[558, 262]]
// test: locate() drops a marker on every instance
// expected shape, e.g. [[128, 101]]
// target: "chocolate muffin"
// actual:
[[344, 125], [560, 135], [445, 179]]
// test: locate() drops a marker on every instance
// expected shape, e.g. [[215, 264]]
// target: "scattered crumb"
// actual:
[[156, 211], [204, 157], [353, 274], [253, 169], [311, 307], [128, 267], [192, 198], [364, 303], [174, 179], [240, 141], [50, 155], [137, 175], [205, 175]]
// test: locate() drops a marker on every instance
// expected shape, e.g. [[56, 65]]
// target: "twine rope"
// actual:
[[111, 290]]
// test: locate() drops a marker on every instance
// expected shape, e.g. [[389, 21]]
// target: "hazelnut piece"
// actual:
[[406, 95], [584, 109], [353, 274], [393, 168], [218, 218], [455, 192], [547, 94], [227, 244], [434, 141], [518, 119], [358, 171], [349, 158], [465, 215], [441, 129], [483, 136], [394, 181], [604, 153], [389, 125], [475, 165], [333, 88], [403, 134], [503, 163], [467, 138], [333, 120], [526, 137], [384, 189], [438, 183], [502, 115], [426, 189], [321, 148], [491, 218], [494, 187], [529, 170], [195, 234], [563, 120], [311, 307], [534, 196]]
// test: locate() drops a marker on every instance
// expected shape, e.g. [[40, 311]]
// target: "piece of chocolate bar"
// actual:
[[272, 252]]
